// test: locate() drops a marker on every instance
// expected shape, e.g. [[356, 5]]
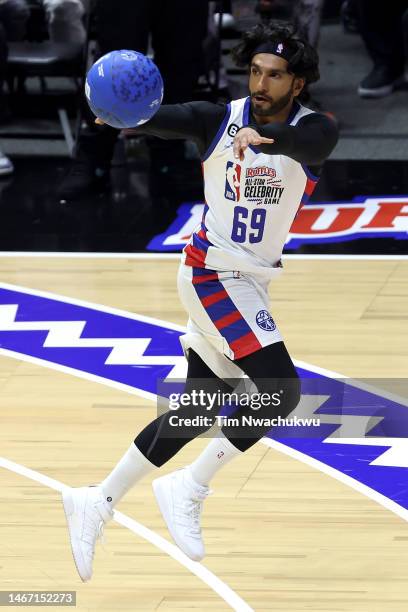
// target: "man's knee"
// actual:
[[278, 397], [263, 409]]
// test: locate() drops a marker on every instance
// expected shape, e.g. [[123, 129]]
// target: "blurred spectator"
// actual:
[[274, 9], [212, 57], [348, 14], [305, 14], [65, 20], [65, 24], [381, 27], [13, 19], [307, 17], [177, 29]]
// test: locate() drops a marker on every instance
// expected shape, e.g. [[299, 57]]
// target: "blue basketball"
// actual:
[[124, 88]]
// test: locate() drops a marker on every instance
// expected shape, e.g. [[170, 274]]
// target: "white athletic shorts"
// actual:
[[229, 317]]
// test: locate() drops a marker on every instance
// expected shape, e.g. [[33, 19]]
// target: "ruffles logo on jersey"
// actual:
[[262, 186], [233, 182]]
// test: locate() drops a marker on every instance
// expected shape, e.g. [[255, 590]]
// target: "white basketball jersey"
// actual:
[[250, 205]]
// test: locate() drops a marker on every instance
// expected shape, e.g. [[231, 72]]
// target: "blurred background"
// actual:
[[64, 187]]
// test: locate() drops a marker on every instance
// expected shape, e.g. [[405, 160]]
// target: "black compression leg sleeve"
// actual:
[[159, 441], [273, 372]]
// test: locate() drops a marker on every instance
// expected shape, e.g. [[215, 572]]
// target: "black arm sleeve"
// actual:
[[309, 142], [197, 121]]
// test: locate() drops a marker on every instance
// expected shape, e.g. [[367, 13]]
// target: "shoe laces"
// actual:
[[101, 537], [91, 526], [192, 509]]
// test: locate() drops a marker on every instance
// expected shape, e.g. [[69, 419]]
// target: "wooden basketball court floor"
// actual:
[[280, 534]]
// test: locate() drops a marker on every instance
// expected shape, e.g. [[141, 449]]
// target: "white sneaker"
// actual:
[[86, 511], [180, 501]]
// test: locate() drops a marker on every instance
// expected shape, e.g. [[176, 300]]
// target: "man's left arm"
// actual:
[[309, 142]]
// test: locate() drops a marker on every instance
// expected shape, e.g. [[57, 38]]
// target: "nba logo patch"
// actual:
[[232, 182], [265, 321]]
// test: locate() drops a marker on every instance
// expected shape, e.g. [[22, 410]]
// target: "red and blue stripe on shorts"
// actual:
[[223, 313]]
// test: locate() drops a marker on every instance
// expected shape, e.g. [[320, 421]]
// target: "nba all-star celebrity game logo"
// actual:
[[362, 433], [261, 185], [316, 223]]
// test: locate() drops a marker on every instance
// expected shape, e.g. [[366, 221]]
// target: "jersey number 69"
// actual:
[[241, 222]]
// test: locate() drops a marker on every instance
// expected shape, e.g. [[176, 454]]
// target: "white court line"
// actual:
[[359, 384], [346, 257], [217, 585], [89, 255], [340, 476], [93, 306], [320, 256], [79, 374]]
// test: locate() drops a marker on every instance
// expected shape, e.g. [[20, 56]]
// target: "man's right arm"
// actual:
[[196, 121]]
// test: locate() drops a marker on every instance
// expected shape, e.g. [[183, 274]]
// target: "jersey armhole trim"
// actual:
[[310, 174], [218, 135]]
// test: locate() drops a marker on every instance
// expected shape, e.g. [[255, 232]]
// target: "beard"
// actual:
[[274, 107]]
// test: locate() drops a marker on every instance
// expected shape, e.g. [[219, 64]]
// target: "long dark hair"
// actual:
[[304, 60]]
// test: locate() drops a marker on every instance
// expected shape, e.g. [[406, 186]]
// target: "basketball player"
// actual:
[[262, 157]]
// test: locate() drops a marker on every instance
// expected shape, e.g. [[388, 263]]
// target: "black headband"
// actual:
[[276, 48]]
